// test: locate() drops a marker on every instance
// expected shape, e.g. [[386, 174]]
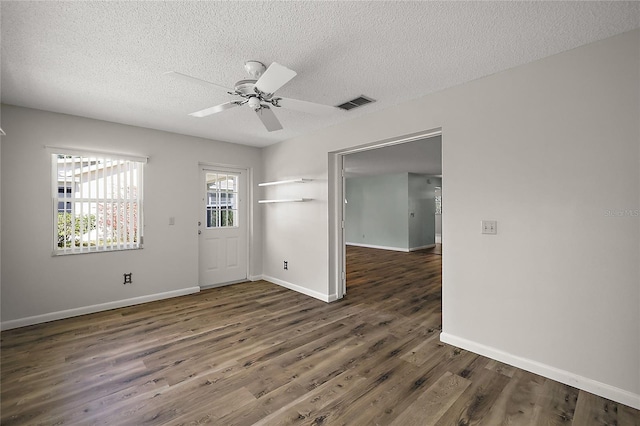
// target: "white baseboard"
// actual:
[[315, 294], [404, 250], [68, 313], [331, 298], [373, 246], [584, 383], [428, 246]]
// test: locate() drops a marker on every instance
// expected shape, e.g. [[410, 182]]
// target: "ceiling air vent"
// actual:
[[355, 103]]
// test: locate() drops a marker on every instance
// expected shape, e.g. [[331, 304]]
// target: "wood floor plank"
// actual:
[[433, 402], [556, 404], [206, 412], [501, 368], [476, 401], [257, 353], [592, 410], [300, 410], [516, 403]]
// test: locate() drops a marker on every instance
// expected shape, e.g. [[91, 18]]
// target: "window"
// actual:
[[98, 202], [64, 192], [222, 196]]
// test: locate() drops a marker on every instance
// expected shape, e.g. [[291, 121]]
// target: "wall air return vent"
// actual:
[[355, 103]]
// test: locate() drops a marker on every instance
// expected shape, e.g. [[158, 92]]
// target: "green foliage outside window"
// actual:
[[69, 233], [226, 217]]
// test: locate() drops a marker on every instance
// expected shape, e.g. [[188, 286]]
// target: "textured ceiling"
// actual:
[[106, 60]]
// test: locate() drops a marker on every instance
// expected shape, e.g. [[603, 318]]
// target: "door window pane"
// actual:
[[222, 199]]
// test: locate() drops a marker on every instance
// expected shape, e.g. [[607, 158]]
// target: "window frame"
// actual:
[[107, 198]]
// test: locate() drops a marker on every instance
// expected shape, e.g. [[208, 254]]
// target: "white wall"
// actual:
[[392, 211], [284, 220], [376, 212], [37, 286], [545, 149]]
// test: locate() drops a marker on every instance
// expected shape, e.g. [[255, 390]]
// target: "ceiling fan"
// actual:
[[258, 92]]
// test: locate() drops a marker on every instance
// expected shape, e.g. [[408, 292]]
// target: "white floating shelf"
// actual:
[[282, 182], [286, 200]]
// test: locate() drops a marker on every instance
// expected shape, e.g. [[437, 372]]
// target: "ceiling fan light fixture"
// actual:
[[254, 103]]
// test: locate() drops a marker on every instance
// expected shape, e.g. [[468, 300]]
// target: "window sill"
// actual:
[[85, 250]]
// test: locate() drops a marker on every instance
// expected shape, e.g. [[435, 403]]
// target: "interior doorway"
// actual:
[[398, 160]]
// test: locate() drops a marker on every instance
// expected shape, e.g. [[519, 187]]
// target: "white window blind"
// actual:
[[98, 202]]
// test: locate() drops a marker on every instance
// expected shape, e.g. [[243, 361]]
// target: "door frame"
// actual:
[[336, 195], [248, 207]]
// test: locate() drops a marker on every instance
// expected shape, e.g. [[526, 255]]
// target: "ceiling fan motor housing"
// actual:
[[254, 68], [245, 87]]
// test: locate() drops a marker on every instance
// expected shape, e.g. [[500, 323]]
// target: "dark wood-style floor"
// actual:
[[256, 353]]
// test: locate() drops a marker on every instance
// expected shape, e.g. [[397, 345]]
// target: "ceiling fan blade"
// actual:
[[304, 106], [215, 109], [274, 78], [268, 118], [196, 80]]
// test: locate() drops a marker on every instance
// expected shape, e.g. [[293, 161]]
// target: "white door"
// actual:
[[222, 227]]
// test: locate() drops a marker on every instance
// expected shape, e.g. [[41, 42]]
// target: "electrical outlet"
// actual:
[[286, 265], [489, 227], [128, 279]]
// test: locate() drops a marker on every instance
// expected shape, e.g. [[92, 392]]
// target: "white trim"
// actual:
[[315, 294], [68, 313], [92, 152], [336, 207], [428, 246], [392, 141], [331, 298], [373, 246], [598, 388]]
